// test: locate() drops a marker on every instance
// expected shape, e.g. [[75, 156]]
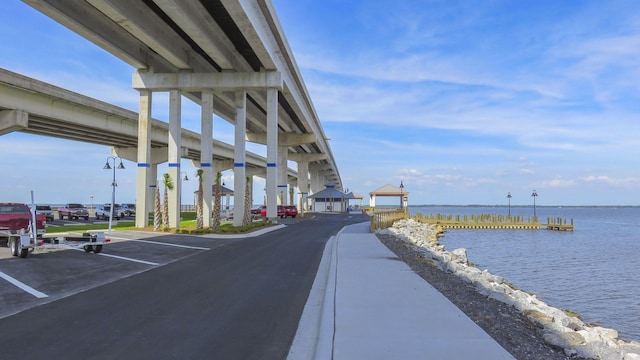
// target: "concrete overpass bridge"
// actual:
[[229, 56], [32, 106]]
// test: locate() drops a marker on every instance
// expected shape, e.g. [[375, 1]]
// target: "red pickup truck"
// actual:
[[73, 211], [283, 211], [16, 216]]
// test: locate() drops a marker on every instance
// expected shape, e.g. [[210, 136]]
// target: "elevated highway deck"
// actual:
[[229, 56], [35, 107]]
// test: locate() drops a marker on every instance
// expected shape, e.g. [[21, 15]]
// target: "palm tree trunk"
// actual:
[[216, 204], [199, 220], [157, 213], [165, 208], [168, 185], [246, 218]]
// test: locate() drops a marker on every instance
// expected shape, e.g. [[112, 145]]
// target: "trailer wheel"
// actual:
[[13, 246], [24, 253], [97, 248], [87, 248]]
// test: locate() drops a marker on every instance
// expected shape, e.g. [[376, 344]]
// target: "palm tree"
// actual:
[[157, 213], [199, 200], [246, 218], [216, 203], [168, 185]]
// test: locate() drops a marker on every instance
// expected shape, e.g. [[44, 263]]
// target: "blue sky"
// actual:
[[462, 101]]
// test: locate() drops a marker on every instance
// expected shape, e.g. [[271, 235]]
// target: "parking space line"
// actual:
[[176, 245], [125, 258], [129, 259], [23, 286]]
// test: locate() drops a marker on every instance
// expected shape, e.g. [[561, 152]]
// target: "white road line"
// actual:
[[129, 259], [124, 258], [118, 238], [176, 245], [23, 286]]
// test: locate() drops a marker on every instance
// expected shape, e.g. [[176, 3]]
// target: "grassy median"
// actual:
[[187, 226]]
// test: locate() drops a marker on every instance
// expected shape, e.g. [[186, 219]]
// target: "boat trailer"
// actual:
[[21, 243]]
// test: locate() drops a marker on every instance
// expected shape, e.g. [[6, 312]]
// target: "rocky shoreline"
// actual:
[[525, 326]]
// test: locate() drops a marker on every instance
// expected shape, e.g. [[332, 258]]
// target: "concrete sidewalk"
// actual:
[[367, 304]]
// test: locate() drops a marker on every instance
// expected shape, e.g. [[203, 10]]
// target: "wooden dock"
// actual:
[[490, 221]]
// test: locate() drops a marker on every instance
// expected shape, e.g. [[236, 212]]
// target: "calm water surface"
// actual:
[[593, 270]]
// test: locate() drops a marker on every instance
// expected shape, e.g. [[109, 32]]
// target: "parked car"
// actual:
[[73, 211], [45, 210], [258, 210], [291, 211], [128, 209], [104, 211], [17, 216], [282, 211]]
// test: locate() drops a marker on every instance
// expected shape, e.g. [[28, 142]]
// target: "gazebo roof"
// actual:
[[354, 195], [329, 193], [223, 190], [389, 190]]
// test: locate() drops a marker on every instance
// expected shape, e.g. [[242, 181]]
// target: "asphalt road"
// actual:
[[239, 300]]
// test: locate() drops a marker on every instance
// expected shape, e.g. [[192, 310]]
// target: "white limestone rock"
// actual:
[[562, 330], [460, 256]]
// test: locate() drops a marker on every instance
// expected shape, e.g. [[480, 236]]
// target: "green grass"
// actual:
[[187, 226], [120, 225]]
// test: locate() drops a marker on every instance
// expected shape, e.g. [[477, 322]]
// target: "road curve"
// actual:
[[238, 301]]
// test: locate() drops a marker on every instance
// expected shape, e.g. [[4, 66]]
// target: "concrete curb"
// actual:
[[314, 337]]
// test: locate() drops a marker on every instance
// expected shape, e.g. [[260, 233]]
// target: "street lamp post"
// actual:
[[91, 197], [509, 197], [401, 196], [185, 178], [534, 195], [113, 186]]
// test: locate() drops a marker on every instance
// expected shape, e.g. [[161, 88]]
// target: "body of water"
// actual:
[[593, 270]]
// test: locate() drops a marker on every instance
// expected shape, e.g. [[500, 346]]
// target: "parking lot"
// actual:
[[50, 274]]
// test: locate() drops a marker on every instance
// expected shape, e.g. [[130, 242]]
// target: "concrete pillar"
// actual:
[[315, 178], [239, 165], [303, 184], [372, 200], [143, 177], [206, 157], [272, 152], [175, 132], [283, 192]]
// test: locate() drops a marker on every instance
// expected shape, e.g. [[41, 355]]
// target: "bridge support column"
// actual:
[[303, 184], [206, 157], [283, 192], [144, 189], [272, 152], [175, 132], [316, 184], [239, 178]]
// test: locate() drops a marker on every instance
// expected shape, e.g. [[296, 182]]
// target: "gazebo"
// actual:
[[356, 196], [390, 190], [329, 199], [224, 192]]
